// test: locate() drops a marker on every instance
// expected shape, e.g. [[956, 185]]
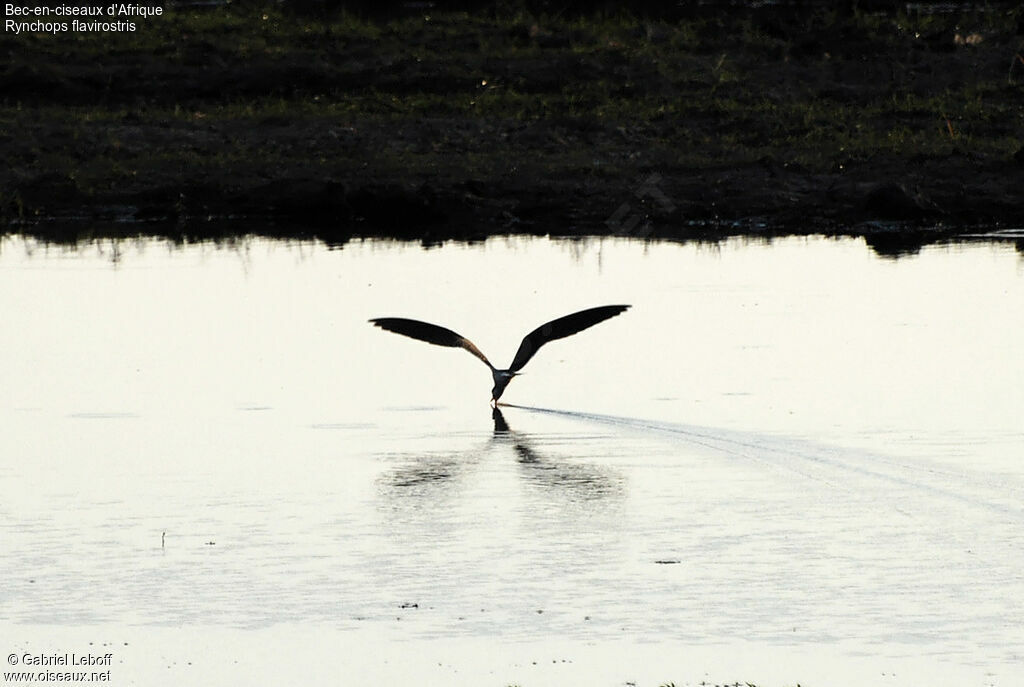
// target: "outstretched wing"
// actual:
[[561, 328], [431, 333]]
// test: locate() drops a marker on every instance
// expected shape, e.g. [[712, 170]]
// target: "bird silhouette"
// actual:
[[550, 331]]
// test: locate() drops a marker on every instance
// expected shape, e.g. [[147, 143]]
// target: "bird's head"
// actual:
[[501, 380]]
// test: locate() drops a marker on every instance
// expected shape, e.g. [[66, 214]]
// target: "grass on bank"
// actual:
[[251, 90]]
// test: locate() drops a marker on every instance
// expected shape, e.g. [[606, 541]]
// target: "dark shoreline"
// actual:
[[883, 239], [903, 129]]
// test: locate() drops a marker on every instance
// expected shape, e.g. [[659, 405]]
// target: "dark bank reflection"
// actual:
[[428, 475]]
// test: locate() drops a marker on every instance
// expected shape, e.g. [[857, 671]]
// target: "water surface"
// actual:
[[787, 460]]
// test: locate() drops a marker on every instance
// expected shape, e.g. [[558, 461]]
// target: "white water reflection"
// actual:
[[794, 444]]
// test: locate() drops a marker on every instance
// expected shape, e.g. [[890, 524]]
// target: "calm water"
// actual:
[[787, 462]]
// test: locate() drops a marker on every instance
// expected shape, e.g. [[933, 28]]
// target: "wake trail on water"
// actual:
[[837, 466]]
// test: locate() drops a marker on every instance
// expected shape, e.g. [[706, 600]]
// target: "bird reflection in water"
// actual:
[[578, 481], [431, 474]]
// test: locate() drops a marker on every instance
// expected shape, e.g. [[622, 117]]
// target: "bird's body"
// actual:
[[555, 329]]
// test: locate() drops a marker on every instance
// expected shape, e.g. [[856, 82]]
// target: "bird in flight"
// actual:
[[555, 329]]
